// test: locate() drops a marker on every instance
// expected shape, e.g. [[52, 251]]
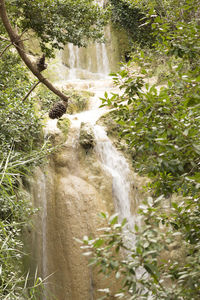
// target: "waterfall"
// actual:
[[81, 185], [82, 65], [72, 61], [78, 184]]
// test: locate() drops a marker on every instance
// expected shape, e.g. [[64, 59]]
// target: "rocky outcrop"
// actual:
[[86, 138], [71, 191], [76, 188]]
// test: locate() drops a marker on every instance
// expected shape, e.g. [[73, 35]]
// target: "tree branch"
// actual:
[[8, 46], [30, 91], [5, 49], [17, 42]]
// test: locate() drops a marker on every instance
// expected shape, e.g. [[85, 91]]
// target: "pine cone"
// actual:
[[58, 110]]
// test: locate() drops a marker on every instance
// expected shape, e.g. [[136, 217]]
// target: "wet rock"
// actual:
[[77, 189], [86, 139]]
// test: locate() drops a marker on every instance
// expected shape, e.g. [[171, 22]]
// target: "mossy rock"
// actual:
[[113, 130], [87, 138], [64, 124], [78, 100]]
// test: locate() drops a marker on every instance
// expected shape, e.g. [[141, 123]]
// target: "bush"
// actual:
[[133, 19], [20, 150], [162, 125]]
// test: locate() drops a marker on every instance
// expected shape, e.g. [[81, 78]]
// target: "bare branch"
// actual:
[[5, 49], [30, 91], [9, 45], [16, 40], [8, 40]]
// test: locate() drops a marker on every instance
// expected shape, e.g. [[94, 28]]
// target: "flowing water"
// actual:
[[82, 65], [77, 185], [118, 167]]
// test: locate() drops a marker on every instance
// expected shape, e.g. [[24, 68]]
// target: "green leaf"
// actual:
[[99, 243], [124, 222], [113, 219], [151, 270], [103, 215]]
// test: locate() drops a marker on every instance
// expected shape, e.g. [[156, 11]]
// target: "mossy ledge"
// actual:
[[64, 124], [113, 130]]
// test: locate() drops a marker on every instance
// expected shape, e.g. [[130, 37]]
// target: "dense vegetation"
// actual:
[[57, 23], [21, 146], [161, 123], [131, 18], [20, 143]]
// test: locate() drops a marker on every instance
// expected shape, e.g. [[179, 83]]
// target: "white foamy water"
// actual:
[[115, 163], [93, 113]]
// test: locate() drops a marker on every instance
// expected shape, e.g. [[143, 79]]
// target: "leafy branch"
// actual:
[[15, 39]]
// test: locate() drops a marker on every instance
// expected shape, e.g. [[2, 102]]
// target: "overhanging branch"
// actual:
[[18, 43]]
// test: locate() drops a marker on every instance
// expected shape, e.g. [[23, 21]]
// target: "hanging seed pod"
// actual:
[[58, 110], [41, 66]]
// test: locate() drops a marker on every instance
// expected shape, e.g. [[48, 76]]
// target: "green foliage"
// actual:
[[16, 116], [163, 127], [57, 23], [15, 211], [158, 260], [162, 124], [20, 149], [175, 26], [133, 19]]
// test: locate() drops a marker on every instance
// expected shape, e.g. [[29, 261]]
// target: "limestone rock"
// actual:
[[71, 192]]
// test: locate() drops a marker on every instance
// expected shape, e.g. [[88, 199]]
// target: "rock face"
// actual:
[[86, 138], [71, 192], [72, 189]]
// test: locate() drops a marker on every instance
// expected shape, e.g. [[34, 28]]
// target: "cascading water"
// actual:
[[118, 167], [80, 64], [78, 184], [82, 184]]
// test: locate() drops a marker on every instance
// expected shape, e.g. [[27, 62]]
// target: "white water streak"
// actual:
[[118, 167], [106, 68], [72, 61], [42, 196]]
